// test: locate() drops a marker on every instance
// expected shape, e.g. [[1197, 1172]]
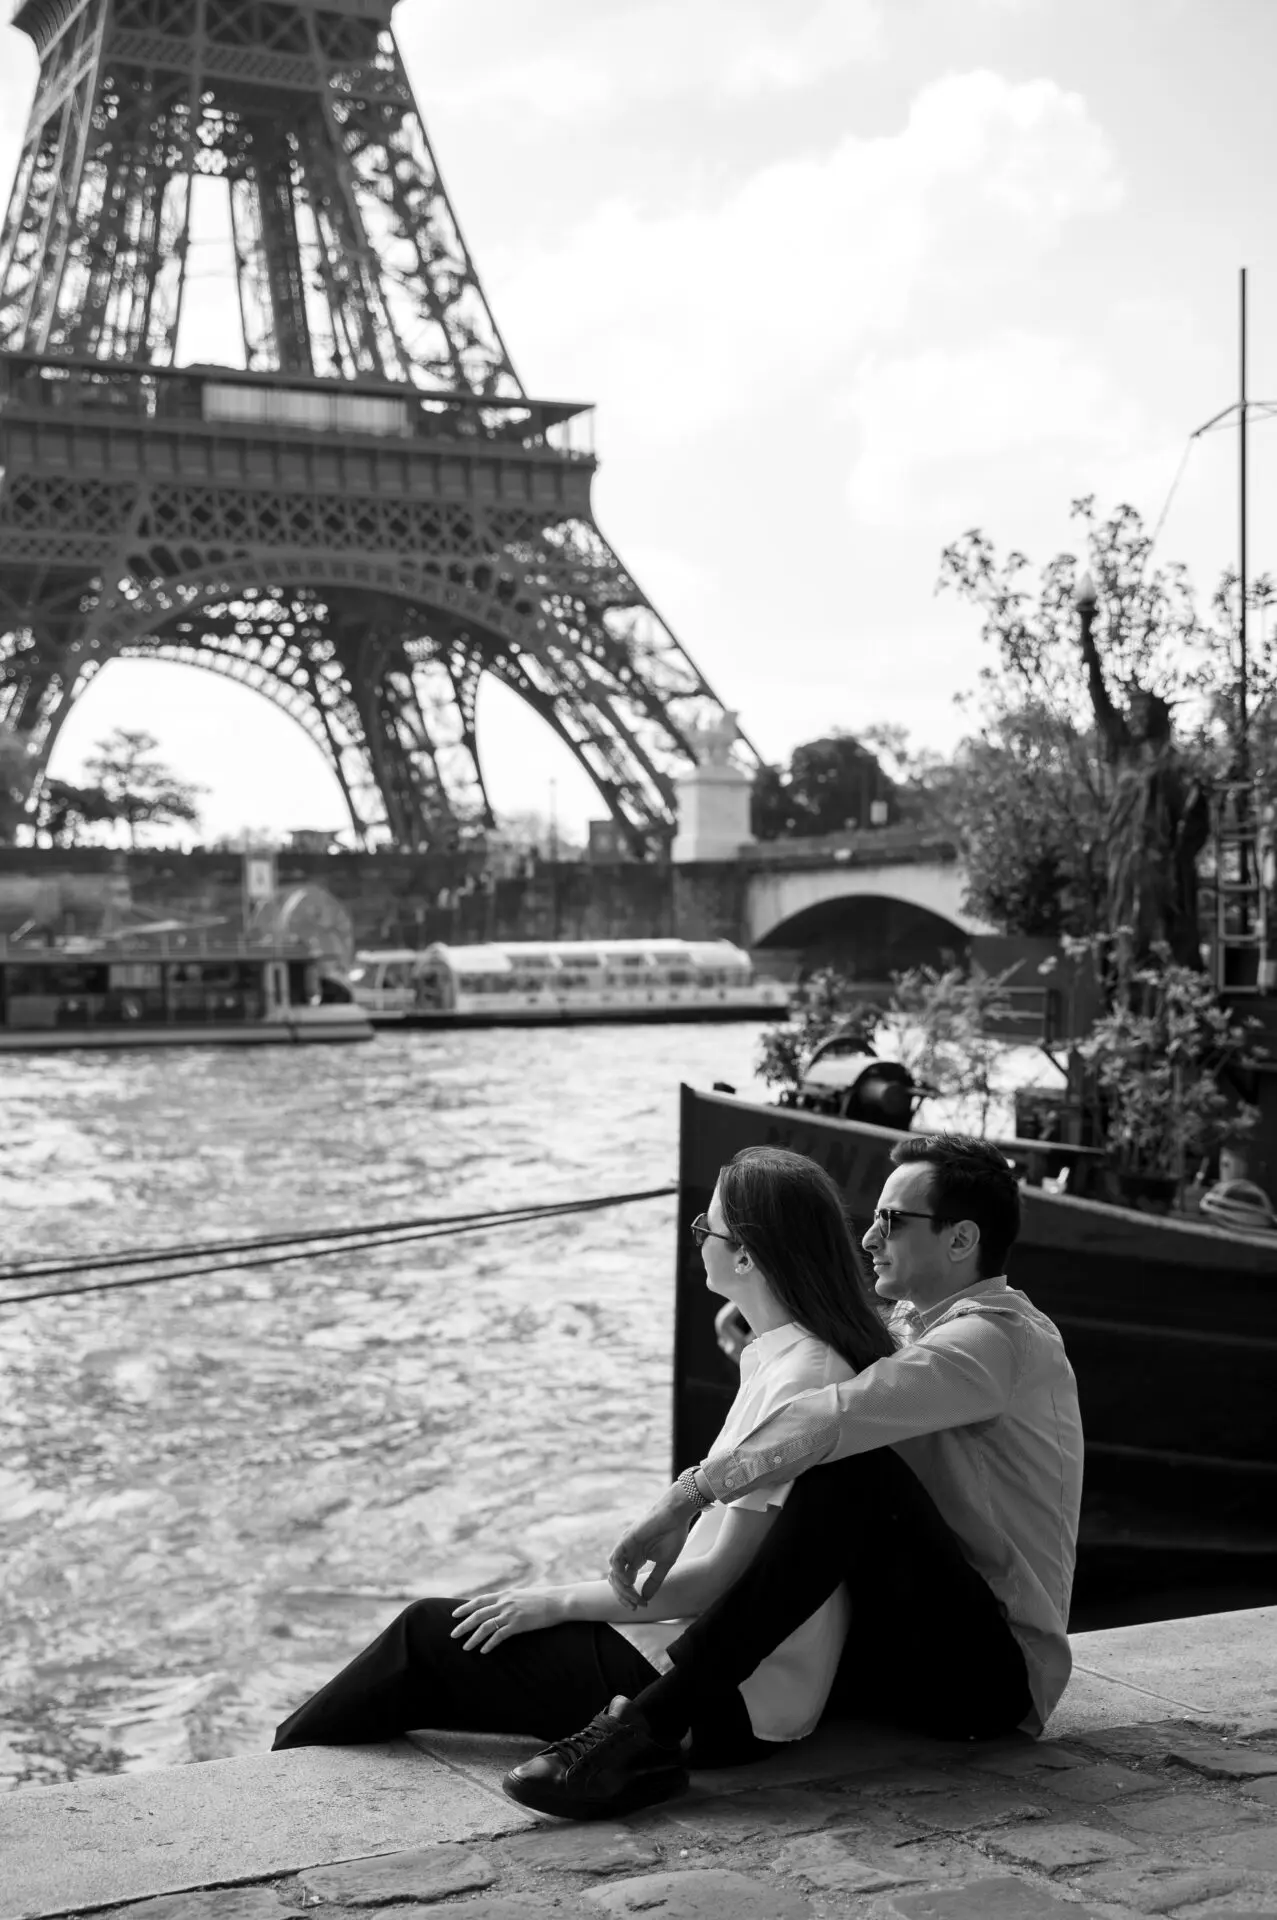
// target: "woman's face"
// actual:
[[719, 1255]]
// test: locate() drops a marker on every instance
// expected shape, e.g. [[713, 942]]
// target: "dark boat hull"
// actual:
[[1171, 1327]]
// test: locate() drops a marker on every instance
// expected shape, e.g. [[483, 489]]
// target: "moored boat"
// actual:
[[182, 988], [531, 983]]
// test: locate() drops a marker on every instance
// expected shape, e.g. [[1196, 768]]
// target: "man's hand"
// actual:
[[490, 1618], [659, 1538], [732, 1331]]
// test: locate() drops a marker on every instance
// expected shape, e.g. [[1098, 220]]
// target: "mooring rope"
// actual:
[[304, 1244]]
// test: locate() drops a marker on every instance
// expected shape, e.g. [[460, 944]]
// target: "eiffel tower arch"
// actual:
[[367, 512]]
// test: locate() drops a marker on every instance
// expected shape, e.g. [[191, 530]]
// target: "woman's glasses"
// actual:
[[885, 1218], [702, 1231]]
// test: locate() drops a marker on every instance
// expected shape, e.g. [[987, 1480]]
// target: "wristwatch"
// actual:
[[688, 1485]]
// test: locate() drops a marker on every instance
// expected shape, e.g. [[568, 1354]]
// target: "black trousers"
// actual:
[[929, 1646], [548, 1684]]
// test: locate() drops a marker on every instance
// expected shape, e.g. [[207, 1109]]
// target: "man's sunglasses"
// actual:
[[702, 1231], [885, 1218]]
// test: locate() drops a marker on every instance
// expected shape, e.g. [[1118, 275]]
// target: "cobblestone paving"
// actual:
[[1170, 1818]]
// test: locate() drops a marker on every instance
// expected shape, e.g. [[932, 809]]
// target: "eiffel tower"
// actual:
[[363, 515]]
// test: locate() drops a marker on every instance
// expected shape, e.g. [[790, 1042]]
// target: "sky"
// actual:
[[843, 279]]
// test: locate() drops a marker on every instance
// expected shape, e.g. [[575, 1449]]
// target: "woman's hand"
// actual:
[[490, 1618]]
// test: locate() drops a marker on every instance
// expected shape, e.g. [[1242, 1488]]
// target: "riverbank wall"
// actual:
[[1155, 1792], [393, 899]]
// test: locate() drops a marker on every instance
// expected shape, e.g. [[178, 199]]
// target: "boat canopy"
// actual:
[[469, 960], [552, 956]]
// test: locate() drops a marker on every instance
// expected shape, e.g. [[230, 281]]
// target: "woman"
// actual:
[[544, 1660]]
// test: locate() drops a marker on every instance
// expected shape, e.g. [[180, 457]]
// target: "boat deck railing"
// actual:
[[136, 943]]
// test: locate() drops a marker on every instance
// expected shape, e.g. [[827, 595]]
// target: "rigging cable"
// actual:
[[50, 1265], [261, 1252], [1189, 444]]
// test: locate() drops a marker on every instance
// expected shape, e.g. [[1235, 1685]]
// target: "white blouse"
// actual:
[[786, 1694]]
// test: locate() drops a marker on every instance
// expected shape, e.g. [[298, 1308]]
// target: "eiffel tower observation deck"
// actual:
[[365, 511]]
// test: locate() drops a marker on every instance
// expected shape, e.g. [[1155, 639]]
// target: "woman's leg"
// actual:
[[869, 1523], [416, 1675]]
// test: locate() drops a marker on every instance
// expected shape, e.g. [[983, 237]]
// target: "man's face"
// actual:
[[912, 1262]]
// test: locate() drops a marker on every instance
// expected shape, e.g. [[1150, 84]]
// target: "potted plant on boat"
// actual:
[[1159, 1060]]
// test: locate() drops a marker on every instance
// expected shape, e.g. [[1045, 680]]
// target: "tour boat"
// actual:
[[531, 982], [1170, 1323], [174, 989]]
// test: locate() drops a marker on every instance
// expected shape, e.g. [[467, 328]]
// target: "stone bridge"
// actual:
[[877, 900]]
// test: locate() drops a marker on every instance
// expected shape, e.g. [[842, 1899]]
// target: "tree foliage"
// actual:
[[1157, 1058], [825, 1003], [946, 1023], [139, 788], [65, 810], [1079, 794], [942, 1024], [828, 785]]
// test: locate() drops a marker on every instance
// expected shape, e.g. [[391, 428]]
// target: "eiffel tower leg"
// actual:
[[41, 209], [465, 668]]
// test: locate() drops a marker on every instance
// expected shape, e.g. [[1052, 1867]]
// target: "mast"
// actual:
[[1243, 689]]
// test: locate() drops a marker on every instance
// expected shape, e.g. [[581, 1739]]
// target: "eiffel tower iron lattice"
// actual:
[[365, 515]]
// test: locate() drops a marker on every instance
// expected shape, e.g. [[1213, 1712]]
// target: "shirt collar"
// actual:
[[918, 1322], [765, 1346]]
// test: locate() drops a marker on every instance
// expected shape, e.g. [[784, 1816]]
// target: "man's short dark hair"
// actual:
[[971, 1181]]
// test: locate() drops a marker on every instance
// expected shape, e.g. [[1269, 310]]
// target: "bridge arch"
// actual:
[[869, 920]]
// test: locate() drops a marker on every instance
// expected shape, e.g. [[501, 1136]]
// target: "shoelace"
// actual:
[[577, 1745]]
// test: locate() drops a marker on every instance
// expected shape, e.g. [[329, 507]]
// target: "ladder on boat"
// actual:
[[1245, 886]]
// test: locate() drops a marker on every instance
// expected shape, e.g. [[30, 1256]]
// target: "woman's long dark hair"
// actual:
[[787, 1214]]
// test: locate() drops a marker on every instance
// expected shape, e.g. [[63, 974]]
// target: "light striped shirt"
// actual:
[[981, 1402]]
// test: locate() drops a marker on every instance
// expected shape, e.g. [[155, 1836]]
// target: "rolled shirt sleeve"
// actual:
[[962, 1371]]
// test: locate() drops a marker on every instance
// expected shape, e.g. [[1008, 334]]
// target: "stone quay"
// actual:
[[1154, 1792]]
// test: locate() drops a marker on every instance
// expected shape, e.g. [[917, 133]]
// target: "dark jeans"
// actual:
[[550, 1683], [929, 1647]]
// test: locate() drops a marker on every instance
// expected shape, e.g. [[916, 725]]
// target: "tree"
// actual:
[[920, 779], [828, 785], [527, 830], [63, 809], [1031, 825], [141, 790], [1081, 798]]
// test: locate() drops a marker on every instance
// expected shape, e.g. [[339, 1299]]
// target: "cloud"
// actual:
[[612, 59], [682, 318], [929, 422]]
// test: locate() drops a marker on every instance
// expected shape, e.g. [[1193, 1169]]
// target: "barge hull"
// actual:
[[575, 1016]]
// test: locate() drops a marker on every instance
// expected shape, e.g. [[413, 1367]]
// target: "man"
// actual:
[[941, 1486]]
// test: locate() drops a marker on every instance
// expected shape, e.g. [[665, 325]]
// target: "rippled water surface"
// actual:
[[213, 1491]]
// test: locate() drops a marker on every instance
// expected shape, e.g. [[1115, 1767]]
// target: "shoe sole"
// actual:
[[644, 1793]]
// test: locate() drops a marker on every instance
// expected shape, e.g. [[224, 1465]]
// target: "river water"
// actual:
[[213, 1491]]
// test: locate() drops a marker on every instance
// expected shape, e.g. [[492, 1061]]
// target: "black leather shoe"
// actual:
[[615, 1765]]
